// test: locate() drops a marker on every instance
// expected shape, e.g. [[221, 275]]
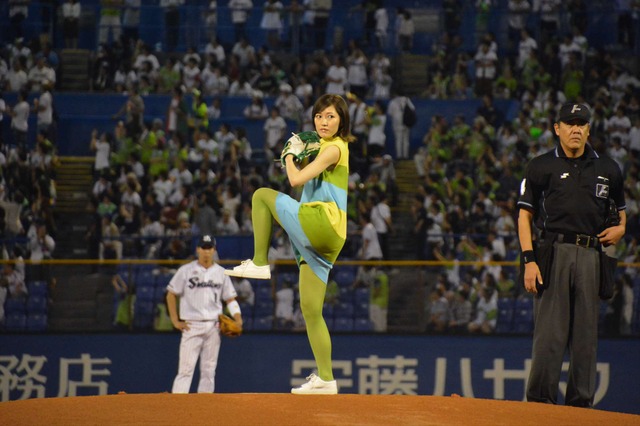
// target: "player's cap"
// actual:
[[573, 112], [207, 242]]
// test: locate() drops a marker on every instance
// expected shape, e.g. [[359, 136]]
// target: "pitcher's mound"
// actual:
[[285, 409]]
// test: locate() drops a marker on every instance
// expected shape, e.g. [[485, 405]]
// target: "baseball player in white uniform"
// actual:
[[202, 288]]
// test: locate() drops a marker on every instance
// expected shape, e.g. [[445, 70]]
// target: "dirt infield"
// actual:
[[285, 409]]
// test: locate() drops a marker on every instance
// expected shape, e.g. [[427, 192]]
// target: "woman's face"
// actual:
[[327, 122]]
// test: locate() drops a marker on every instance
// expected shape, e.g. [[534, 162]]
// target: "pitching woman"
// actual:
[[316, 225]]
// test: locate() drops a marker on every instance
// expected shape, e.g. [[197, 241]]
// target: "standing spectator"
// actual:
[[130, 24], [110, 14], [486, 62], [71, 23], [419, 214], [274, 130], [336, 77], [382, 28], [376, 139], [379, 301], [405, 29], [200, 305], [549, 11], [110, 244], [460, 312], [357, 78], [20, 121], [370, 249], [133, 109], [18, 13], [43, 107], [382, 221], [171, 22], [239, 12], [518, 12], [102, 149], [401, 132], [284, 298], [41, 246], [271, 22]]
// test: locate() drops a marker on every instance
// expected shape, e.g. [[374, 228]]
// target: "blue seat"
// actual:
[[36, 304], [142, 321], [247, 323], [246, 309], [345, 276], [343, 310], [37, 288], [37, 322], [283, 277], [523, 320], [263, 323], [362, 295], [15, 305], [342, 324], [143, 307], [362, 324], [160, 294], [361, 310], [263, 293], [346, 294], [145, 293], [16, 321], [327, 310], [263, 309]]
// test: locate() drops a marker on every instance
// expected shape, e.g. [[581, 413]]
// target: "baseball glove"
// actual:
[[301, 145], [228, 326]]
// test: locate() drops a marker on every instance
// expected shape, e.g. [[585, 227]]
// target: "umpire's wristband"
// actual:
[[528, 256]]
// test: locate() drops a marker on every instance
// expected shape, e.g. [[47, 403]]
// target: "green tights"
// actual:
[[312, 288]]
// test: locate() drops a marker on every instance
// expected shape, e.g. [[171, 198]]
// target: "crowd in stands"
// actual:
[[158, 183]]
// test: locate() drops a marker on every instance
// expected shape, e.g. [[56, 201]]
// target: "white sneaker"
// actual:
[[248, 269], [316, 386]]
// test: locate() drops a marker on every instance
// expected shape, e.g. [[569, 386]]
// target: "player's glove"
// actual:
[[228, 326], [301, 145]]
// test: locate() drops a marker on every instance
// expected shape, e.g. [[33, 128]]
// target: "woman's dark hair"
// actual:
[[338, 102]]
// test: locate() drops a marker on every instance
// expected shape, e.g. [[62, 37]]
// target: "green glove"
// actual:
[[301, 146]]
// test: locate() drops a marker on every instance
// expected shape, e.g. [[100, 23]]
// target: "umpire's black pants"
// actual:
[[566, 316]]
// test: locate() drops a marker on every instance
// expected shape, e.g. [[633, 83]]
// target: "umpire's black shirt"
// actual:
[[570, 195]]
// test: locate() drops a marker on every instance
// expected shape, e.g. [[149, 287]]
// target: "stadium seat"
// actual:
[[143, 307], [263, 293], [15, 305], [263, 323], [263, 309], [361, 310], [343, 310], [37, 322], [345, 276], [362, 295], [362, 325], [36, 304], [159, 294], [327, 310], [37, 288], [142, 321], [145, 293], [505, 315], [15, 321], [342, 324]]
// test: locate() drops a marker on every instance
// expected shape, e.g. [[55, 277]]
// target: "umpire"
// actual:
[[566, 193]]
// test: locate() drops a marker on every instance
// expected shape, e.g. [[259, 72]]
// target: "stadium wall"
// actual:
[[38, 366]]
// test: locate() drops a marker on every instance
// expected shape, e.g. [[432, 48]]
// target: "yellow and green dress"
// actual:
[[317, 224]]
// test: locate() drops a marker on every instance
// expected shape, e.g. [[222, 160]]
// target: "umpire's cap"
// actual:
[[207, 242], [574, 113]]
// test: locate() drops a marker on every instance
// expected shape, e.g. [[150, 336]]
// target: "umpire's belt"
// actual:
[[582, 240]]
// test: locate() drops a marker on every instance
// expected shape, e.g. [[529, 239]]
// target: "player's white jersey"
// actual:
[[201, 291]]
